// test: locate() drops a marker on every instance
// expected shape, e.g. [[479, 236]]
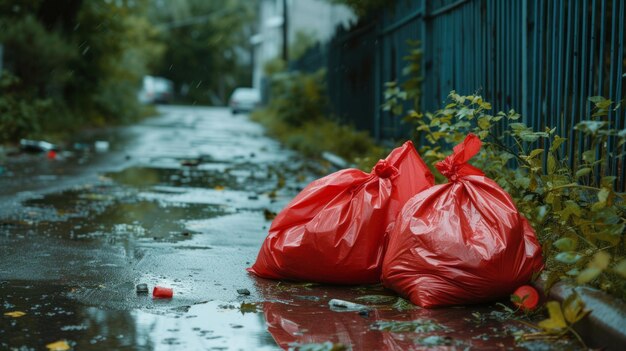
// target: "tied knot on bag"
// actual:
[[384, 169], [455, 166]]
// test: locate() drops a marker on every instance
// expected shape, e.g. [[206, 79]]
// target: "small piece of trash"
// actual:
[[142, 288], [37, 146], [160, 292], [101, 146], [253, 197], [341, 305], [243, 291]]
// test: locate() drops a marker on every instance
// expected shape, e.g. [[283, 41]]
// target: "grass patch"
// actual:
[[312, 138]]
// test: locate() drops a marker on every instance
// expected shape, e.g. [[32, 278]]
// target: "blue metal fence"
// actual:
[[542, 58]]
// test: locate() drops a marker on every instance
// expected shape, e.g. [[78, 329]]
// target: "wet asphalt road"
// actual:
[[184, 200]]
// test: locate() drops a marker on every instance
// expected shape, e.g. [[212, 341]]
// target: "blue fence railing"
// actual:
[[541, 58]]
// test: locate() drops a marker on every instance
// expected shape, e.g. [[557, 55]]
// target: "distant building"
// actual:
[[318, 18]]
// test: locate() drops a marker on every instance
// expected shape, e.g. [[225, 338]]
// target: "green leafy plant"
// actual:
[[579, 217], [298, 97]]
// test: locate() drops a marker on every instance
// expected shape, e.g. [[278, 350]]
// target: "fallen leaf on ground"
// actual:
[[60, 345], [15, 314], [556, 322], [219, 187]]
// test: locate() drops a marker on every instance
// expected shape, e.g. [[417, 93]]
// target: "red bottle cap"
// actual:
[[52, 154], [532, 297], [160, 292]]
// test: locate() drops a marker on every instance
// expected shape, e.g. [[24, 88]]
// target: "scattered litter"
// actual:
[[341, 305], [142, 288], [101, 146], [253, 197], [15, 314], [52, 154], [219, 188], [37, 145], [60, 345], [243, 291], [160, 292]]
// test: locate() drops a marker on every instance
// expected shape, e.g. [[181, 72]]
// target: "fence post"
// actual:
[[524, 70], [378, 90]]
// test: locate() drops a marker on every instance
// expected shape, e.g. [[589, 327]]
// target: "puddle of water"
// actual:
[[111, 216], [145, 177], [299, 314], [50, 317]]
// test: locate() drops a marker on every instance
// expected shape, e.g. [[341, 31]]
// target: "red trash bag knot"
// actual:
[[384, 169], [455, 166]]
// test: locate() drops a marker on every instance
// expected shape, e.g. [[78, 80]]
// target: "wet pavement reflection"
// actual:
[[182, 200]]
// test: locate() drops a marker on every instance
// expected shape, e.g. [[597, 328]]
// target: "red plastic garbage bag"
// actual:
[[335, 230], [460, 242]]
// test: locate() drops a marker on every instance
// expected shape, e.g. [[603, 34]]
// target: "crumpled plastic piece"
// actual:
[[335, 230], [461, 242]]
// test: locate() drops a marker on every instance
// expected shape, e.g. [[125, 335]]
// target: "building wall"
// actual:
[[316, 17]]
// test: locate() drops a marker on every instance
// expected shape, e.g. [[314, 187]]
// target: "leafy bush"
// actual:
[[312, 138], [579, 217], [296, 98]]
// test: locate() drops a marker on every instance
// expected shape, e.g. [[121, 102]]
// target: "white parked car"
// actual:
[[244, 100], [156, 90]]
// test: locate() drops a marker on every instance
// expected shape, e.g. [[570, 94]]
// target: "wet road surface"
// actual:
[[184, 200]]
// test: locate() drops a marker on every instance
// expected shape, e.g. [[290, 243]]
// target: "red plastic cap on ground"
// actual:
[[162, 293], [531, 294], [52, 154]]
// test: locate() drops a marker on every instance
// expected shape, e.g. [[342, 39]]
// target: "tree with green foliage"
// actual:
[[208, 50], [82, 60]]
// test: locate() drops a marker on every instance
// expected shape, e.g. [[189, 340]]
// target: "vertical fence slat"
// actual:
[[569, 52]]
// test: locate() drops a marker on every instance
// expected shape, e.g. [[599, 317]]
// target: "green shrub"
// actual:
[[297, 98], [579, 217], [312, 138]]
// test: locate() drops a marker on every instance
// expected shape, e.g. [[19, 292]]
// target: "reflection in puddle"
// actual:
[[113, 216], [213, 325], [49, 317], [143, 177], [299, 314]]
